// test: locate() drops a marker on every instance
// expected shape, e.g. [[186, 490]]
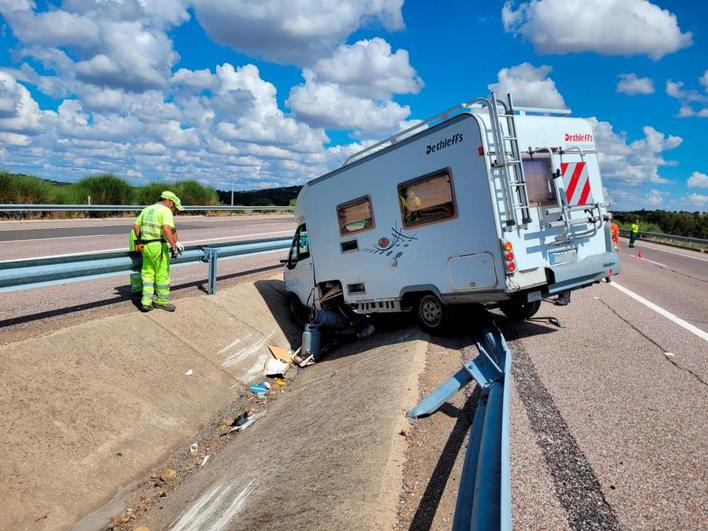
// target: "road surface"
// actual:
[[36, 239], [609, 428]]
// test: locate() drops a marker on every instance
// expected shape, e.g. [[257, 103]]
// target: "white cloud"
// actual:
[[529, 86], [631, 84], [289, 31], [353, 89], [688, 97], [654, 198], [608, 27], [697, 200], [369, 69], [632, 163], [19, 112], [697, 180]]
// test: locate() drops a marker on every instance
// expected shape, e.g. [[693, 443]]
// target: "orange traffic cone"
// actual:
[[640, 254]]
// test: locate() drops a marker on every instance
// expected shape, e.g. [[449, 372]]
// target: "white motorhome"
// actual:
[[484, 203]]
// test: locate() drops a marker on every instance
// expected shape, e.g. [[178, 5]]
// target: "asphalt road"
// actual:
[[609, 426], [35, 239]]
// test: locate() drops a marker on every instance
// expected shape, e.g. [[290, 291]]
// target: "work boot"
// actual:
[[145, 308], [168, 307]]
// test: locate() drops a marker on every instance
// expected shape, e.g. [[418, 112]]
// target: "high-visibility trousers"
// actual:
[[156, 273]]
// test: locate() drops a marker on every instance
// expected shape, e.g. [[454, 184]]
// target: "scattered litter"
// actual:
[[596, 298], [275, 367], [304, 362], [168, 475], [43, 517], [280, 382], [281, 354], [669, 354], [188, 373], [193, 448], [368, 330], [241, 419], [251, 420], [403, 433], [204, 461], [261, 388]]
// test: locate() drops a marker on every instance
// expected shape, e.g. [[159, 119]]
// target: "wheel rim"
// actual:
[[430, 311]]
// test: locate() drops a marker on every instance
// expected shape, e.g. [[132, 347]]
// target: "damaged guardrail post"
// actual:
[[484, 496]]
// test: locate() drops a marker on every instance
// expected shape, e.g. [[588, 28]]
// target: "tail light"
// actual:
[[509, 259]]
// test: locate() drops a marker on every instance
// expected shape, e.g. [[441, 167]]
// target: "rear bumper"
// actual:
[[583, 273]]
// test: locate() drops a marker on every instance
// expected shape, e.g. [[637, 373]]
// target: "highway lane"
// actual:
[[38, 239], [75, 300]]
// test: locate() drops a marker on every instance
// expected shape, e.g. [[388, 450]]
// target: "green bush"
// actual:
[[24, 189], [193, 193], [106, 189]]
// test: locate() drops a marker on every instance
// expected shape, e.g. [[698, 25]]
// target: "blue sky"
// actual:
[[275, 92]]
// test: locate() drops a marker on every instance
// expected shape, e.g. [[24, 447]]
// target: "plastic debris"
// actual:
[[280, 382], [669, 354], [241, 419], [204, 461], [194, 447], [188, 373], [275, 367], [251, 420], [260, 389]]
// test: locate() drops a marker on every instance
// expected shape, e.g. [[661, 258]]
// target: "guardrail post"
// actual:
[[211, 256]]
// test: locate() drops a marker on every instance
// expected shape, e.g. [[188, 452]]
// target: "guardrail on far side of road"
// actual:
[[672, 239], [19, 208]]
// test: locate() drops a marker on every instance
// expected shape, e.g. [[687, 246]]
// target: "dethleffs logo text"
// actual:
[[446, 142], [578, 137]]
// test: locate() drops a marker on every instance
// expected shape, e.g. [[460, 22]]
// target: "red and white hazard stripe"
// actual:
[[577, 182]]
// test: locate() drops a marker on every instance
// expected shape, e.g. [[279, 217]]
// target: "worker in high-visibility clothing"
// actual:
[[614, 232], [156, 235], [633, 232]]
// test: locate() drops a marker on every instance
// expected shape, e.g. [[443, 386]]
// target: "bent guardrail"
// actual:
[[132, 208], [24, 274], [484, 496]]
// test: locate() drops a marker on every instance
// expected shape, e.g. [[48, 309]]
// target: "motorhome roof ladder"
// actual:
[[508, 159]]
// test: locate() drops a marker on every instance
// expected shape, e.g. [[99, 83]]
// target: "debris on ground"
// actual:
[[251, 420], [275, 367], [204, 461], [193, 448], [168, 475], [260, 389], [281, 354]]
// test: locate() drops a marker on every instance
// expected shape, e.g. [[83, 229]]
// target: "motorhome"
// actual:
[[485, 203]]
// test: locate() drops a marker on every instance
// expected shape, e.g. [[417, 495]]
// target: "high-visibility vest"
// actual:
[[635, 228]]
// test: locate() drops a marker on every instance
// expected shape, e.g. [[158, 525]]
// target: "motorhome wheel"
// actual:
[[433, 315], [519, 311]]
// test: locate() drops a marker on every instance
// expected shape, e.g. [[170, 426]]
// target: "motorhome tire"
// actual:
[[519, 311], [433, 315], [297, 309]]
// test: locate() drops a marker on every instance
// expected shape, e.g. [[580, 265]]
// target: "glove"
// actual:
[[180, 248]]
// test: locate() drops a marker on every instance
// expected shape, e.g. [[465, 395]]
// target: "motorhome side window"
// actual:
[[301, 245], [539, 181], [355, 216], [426, 199]]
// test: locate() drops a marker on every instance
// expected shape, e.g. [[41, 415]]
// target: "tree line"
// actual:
[[689, 224]]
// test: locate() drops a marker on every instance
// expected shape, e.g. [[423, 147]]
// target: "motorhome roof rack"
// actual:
[[475, 105]]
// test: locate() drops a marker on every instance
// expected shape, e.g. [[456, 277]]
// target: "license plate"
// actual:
[[563, 257]]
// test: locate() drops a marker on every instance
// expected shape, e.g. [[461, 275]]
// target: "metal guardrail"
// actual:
[[625, 233], [484, 496], [25, 274], [130, 208]]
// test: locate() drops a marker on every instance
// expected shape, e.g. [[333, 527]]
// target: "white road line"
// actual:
[[650, 261], [658, 247], [125, 248], [661, 311], [52, 238]]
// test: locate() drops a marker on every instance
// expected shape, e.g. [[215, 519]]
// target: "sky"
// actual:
[[263, 93]]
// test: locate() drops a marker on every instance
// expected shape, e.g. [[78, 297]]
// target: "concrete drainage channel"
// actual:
[[137, 385]]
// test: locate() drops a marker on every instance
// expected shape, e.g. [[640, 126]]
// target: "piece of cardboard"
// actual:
[[281, 354]]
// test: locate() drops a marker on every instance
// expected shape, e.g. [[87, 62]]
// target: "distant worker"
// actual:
[[633, 232], [155, 233]]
